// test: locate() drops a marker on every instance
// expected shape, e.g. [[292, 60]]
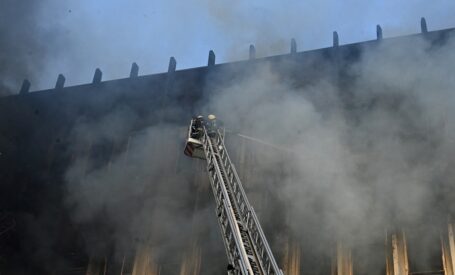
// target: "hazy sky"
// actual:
[[43, 38]]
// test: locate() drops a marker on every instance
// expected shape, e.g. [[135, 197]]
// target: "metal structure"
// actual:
[[246, 246], [448, 250]]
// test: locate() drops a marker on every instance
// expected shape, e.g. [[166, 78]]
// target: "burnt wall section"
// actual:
[[38, 141]]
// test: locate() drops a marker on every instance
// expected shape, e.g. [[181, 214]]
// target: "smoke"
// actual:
[[352, 166], [379, 160], [385, 162], [142, 193], [22, 51], [270, 26]]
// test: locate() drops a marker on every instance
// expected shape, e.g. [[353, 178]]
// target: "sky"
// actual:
[[41, 39]]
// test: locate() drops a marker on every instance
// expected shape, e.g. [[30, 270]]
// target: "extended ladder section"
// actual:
[[244, 240]]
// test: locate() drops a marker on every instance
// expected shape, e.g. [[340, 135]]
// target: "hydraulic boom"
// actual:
[[246, 246]]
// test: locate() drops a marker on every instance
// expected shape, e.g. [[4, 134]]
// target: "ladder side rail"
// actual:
[[261, 250], [223, 221], [231, 232], [221, 208], [241, 205], [248, 214], [228, 233], [229, 239], [241, 199], [220, 211], [250, 248]]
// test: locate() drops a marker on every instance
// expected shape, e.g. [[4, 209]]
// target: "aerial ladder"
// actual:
[[246, 247]]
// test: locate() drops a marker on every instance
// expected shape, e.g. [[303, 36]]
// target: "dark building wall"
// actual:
[[40, 137]]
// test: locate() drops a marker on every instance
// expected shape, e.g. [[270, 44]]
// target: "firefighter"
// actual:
[[211, 125], [199, 120]]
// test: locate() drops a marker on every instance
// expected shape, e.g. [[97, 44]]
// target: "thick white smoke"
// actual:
[[378, 159], [351, 166]]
